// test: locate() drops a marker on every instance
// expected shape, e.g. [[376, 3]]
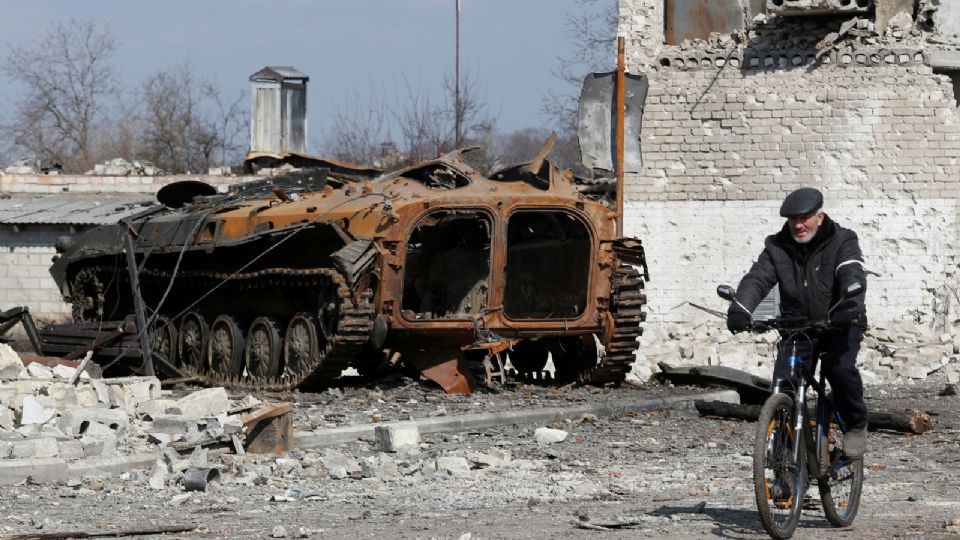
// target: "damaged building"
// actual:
[[749, 100]]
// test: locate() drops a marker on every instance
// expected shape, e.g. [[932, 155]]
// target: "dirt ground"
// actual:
[[679, 475]]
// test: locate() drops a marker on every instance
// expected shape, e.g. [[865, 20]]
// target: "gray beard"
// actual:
[[807, 239]]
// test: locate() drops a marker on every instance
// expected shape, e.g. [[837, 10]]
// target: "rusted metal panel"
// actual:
[[696, 19]]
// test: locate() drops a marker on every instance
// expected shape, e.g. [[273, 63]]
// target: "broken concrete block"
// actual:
[[206, 402], [454, 466], [11, 367], [71, 450], [34, 412], [100, 387], [39, 371], [953, 373], [339, 466], [40, 447], [173, 424], [545, 435], [78, 420], [381, 467], [127, 392], [61, 371], [154, 407], [6, 449], [395, 437], [231, 424], [86, 396], [158, 475], [495, 457], [6, 418], [57, 395], [100, 442]]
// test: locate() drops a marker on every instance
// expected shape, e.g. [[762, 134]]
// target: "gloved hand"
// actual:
[[737, 320], [844, 317]]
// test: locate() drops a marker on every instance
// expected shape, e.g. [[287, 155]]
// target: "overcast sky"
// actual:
[[345, 46]]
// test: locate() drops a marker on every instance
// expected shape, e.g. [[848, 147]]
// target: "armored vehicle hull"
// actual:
[[287, 281]]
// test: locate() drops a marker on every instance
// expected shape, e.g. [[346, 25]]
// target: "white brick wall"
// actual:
[[724, 141], [695, 246], [24, 272]]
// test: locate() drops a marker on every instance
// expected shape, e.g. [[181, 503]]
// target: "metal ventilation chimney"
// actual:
[[278, 116]]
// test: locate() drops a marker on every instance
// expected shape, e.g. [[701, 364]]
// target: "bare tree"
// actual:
[[360, 132], [592, 31], [68, 75], [232, 120], [185, 123]]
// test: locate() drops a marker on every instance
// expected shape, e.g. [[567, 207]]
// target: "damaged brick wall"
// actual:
[[24, 276], [734, 123]]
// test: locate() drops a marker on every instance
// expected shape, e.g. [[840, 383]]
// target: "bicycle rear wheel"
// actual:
[[841, 483], [779, 481]]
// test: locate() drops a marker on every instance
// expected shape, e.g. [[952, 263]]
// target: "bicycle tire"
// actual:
[[779, 482], [842, 482]]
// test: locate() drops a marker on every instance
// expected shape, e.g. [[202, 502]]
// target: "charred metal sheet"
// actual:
[[597, 125], [177, 194], [286, 281], [696, 19], [817, 7]]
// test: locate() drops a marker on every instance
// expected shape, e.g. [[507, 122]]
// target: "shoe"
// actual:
[[855, 443]]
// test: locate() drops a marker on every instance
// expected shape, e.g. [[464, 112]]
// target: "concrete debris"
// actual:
[[11, 367], [122, 167], [545, 435], [890, 351], [397, 437]]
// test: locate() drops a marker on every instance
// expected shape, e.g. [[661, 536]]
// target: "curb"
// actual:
[[451, 424], [58, 471]]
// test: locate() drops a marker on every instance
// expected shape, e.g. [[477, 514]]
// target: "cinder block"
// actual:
[[173, 424], [397, 436], [6, 449], [127, 392], [40, 447], [71, 450], [78, 420], [206, 402], [155, 407]]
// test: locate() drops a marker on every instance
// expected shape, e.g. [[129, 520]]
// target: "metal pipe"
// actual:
[[457, 109], [143, 332], [621, 84]]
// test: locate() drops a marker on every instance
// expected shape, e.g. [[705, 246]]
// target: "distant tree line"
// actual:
[[75, 113]]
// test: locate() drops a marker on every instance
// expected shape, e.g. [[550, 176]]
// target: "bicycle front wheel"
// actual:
[[842, 479], [779, 480]]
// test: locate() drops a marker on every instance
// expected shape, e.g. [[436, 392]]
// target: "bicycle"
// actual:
[[795, 445]]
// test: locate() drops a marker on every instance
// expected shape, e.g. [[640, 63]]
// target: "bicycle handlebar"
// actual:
[[791, 324]]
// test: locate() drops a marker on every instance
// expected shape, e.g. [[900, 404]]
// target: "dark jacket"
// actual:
[[810, 275]]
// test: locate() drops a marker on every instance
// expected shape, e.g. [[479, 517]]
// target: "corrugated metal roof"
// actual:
[[283, 72], [70, 209]]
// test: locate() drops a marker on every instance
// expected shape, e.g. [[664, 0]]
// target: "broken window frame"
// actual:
[[590, 249], [492, 224]]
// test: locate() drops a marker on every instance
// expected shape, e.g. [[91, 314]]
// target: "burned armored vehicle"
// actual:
[[286, 281]]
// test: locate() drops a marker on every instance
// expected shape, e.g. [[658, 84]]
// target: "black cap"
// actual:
[[801, 202]]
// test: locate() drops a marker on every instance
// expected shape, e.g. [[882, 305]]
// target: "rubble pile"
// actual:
[[890, 351], [45, 414], [122, 167]]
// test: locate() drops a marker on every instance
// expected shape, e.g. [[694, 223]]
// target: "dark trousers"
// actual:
[[838, 350], [839, 357]]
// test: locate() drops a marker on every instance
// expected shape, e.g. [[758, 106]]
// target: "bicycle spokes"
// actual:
[[779, 478]]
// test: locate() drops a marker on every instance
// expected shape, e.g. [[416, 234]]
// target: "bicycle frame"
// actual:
[[801, 378]]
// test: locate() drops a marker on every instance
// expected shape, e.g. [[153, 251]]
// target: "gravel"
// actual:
[[670, 473]]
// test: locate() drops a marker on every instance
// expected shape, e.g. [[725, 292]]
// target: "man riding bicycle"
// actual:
[[812, 259]]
